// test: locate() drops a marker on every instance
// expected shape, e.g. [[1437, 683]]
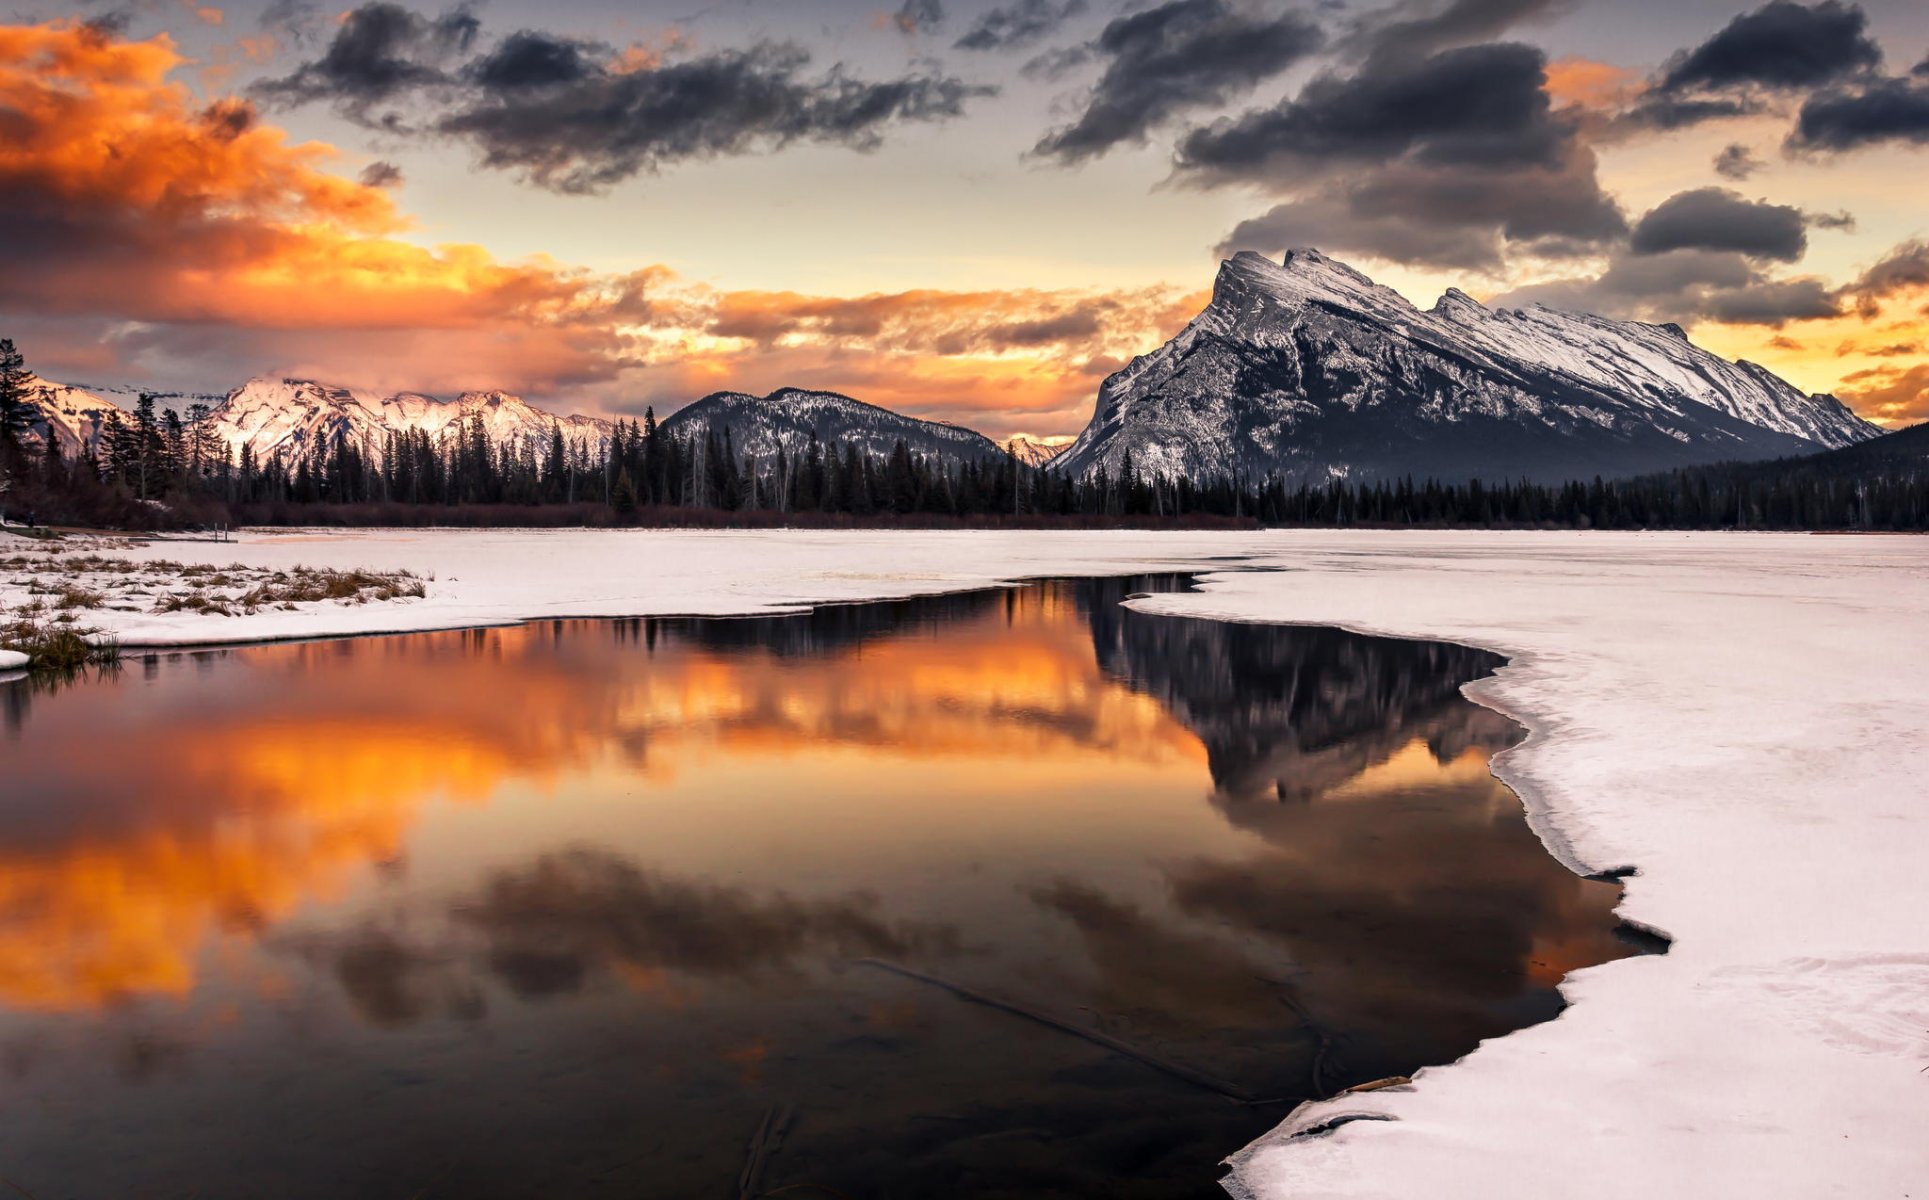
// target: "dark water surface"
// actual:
[[567, 909]]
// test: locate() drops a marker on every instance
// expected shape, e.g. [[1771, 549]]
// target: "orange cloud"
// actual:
[[1001, 359], [1590, 84], [122, 196], [257, 813], [125, 199]]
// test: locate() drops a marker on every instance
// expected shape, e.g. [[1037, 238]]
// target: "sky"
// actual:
[[969, 210]]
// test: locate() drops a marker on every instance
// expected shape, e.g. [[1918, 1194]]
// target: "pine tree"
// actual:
[[18, 392]]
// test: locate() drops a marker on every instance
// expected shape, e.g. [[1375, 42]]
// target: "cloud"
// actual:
[[1889, 394], [1478, 105], [1782, 45], [1748, 65], [1737, 162], [918, 16], [551, 924], [1450, 159], [1178, 56], [380, 174], [1418, 28], [1904, 269], [124, 200], [1686, 285], [573, 117], [1715, 218], [1847, 118], [380, 52], [1019, 24]]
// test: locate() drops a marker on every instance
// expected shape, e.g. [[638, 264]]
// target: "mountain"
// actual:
[[789, 416], [1309, 370], [1031, 452], [73, 416], [284, 418]]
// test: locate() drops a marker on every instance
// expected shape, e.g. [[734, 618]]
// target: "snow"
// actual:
[[12, 660], [1739, 717], [1310, 327]]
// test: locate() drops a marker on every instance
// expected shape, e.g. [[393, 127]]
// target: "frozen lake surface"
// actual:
[[568, 907], [1740, 717]]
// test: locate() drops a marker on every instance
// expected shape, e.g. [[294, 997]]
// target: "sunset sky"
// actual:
[[965, 209]]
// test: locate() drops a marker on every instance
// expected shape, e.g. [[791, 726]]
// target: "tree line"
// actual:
[[153, 468]]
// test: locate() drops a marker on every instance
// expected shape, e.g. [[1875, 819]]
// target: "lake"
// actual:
[[1010, 893]]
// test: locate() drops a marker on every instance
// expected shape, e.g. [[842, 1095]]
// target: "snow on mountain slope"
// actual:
[[282, 418], [286, 418], [1309, 370], [789, 417], [74, 416], [1031, 451]]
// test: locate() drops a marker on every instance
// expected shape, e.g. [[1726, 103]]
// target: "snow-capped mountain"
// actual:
[[1030, 451], [286, 418], [789, 416], [282, 418], [72, 415], [1309, 370]]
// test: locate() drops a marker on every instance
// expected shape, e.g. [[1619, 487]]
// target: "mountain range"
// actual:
[[1303, 369]]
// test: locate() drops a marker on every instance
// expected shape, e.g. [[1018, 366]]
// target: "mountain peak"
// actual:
[[1306, 369]]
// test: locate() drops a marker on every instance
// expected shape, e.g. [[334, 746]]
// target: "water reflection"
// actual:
[[564, 908]]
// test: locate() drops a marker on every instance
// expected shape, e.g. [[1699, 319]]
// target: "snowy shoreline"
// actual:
[[1739, 717]]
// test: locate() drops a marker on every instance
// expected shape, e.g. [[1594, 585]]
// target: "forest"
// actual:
[[154, 468]]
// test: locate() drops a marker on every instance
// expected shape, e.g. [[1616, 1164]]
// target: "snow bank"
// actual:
[[1740, 717], [12, 660]]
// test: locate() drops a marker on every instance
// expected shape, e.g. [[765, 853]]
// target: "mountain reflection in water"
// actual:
[[566, 908]]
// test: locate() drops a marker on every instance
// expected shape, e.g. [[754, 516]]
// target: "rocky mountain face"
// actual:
[[789, 417], [1308, 370]]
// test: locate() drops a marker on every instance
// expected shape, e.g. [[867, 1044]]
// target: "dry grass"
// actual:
[[57, 646], [307, 585], [68, 579]]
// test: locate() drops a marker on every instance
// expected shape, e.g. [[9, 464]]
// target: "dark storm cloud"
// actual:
[[1662, 111], [1019, 24], [380, 174], [1686, 286], [570, 115], [1447, 218], [530, 59], [1778, 49], [1903, 269], [1780, 45], [570, 122], [1178, 56], [1481, 105], [1737, 162], [1450, 159], [1716, 218], [381, 52], [1881, 110], [919, 16]]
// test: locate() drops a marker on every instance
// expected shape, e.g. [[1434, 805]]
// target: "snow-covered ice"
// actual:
[[1740, 717]]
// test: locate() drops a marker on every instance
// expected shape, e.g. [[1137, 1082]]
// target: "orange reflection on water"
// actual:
[[247, 793]]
